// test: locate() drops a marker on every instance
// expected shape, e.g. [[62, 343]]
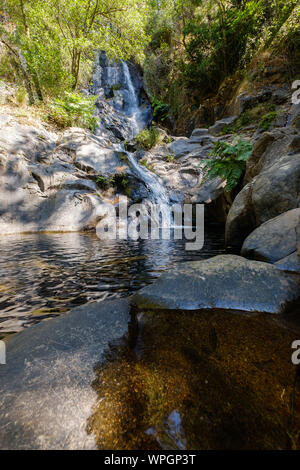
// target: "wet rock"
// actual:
[[113, 123], [225, 281], [273, 240], [46, 393], [183, 177]]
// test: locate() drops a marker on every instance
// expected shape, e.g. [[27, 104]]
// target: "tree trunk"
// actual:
[[76, 57], [19, 63], [37, 85]]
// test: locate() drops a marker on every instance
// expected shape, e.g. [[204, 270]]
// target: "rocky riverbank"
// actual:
[[244, 379]]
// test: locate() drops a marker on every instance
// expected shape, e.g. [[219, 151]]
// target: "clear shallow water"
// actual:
[[44, 275]]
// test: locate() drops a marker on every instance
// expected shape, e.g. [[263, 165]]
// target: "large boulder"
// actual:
[[33, 142], [224, 282], [94, 159], [184, 146], [240, 219], [46, 387], [273, 240], [272, 192], [269, 148], [46, 181]]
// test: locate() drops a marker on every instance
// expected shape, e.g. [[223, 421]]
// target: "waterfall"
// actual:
[[157, 190], [137, 115], [133, 109]]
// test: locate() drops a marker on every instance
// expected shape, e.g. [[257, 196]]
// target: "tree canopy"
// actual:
[[52, 40]]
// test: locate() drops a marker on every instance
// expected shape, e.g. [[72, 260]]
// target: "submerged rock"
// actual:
[[201, 380], [46, 394], [225, 282]]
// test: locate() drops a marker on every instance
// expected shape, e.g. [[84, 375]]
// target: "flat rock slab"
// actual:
[[225, 282], [46, 393]]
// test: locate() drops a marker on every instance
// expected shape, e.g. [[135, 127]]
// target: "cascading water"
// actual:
[[119, 74], [133, 108], [159, 194]]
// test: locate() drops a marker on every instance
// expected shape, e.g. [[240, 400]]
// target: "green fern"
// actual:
[[229, 162]]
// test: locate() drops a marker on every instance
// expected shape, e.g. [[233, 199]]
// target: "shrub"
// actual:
[[116, 87], [160, 109], [267, 120], [21, 95], [229, 162], [146, 164], [148, 138], [73, 109], [102, 182], [119, 181]]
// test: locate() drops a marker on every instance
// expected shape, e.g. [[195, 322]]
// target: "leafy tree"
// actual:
[[51, 40]]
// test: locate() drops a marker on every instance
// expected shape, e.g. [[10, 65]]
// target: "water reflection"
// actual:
[[43, 275]]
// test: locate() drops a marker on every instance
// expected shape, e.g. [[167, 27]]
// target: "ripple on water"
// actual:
[[44, 275]]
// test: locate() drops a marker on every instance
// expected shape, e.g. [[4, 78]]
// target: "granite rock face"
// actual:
[[271, 184], [46, 393]]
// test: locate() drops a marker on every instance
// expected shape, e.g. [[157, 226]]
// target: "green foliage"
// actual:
[[102, 182], [216, 48], [147, 165], [56, 40], [160, 109], [229, 162], [119, 181], [116, 87], [21, 95], [73, 109], [261, 115], [267, 120], [197, 44], [148, 138]]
